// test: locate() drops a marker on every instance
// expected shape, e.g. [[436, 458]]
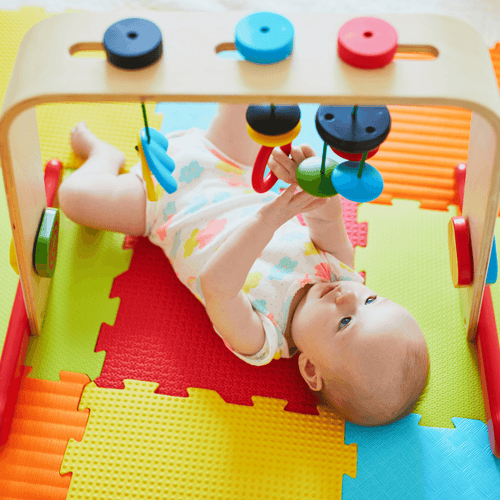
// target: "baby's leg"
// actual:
[[95, 195], [228, 132]]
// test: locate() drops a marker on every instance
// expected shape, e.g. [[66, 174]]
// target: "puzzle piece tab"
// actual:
[[389, 462], [200, 446], [458, 463], [88, 262], [46, 417]]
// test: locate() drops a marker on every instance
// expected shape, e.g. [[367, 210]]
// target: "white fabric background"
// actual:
[[483, 15]]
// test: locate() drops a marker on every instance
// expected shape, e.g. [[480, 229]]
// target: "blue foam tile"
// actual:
[[458, 463], [185, 115], [390, 462]]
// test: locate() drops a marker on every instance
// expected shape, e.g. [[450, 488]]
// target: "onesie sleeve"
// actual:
[[151, 206], [268, 351]]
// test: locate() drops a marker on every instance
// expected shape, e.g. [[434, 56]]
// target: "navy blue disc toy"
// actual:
[[351, 132], [273, 120], [133, 43]]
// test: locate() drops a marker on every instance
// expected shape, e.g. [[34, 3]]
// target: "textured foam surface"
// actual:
[[46, 417], [419, 279], [390, 462], [87, 263], [163, 333], [410, 461], [458, 463], [168, 447], [417, 161]]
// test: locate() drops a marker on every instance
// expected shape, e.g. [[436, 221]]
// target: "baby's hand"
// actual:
[[288, 204], [284, 167]]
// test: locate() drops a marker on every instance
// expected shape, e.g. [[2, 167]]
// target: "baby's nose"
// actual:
[[344, 296]]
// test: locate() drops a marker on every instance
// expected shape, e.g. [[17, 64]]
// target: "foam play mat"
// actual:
[[131, 395]]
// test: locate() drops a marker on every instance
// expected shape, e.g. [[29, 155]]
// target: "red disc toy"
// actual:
[[367, 43], [354, 156]]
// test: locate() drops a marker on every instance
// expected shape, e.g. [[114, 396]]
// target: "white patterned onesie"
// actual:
[[214, 196]]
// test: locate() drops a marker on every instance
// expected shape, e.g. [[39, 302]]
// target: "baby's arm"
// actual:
[[225, 273], [326, 225]]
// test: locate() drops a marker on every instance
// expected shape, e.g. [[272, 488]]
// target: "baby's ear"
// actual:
[[310, 373]]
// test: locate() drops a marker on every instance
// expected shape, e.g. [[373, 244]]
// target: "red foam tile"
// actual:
[[163, 334]]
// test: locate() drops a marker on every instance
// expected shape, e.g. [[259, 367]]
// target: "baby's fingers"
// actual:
[[318, 202], [303, 199], [282, 166], [300, 153]]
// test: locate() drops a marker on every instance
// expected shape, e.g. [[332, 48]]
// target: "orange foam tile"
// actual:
[[46, 417], [418, 159]]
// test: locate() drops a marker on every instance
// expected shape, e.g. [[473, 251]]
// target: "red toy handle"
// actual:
[[258, 183]]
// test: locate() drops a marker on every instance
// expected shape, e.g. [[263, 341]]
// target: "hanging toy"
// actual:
[[356, 134], [152, 148], [314, 175], [271, 126]]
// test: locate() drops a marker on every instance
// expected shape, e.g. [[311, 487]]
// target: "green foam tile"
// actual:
[[407, 260], [87, 263]]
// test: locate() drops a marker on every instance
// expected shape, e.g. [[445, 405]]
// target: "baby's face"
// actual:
[[344, 327]]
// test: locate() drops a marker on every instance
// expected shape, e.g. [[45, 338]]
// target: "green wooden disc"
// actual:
[[45, 250], [311, 180]]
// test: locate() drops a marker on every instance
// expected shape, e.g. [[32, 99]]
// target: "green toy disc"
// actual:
[[45, 251], [311, 180]]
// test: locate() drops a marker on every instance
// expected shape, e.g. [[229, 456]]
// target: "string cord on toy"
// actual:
[[145, 121]]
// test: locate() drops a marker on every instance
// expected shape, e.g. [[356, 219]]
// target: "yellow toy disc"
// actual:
[[273, 141]]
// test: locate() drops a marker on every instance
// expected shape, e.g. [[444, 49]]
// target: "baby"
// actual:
[[270, 286]]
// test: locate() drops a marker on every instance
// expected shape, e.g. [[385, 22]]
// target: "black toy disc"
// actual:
[[340, 130], [273, 120], [133, 43]]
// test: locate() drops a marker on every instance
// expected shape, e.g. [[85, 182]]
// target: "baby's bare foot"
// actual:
[[85, 143]]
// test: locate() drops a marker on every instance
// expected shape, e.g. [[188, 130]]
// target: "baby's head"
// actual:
[[365, 354]]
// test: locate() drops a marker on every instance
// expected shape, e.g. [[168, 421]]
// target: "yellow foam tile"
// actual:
[[407, 260], [139, 444], [114, 123]]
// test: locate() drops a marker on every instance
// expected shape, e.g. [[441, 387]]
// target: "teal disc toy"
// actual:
[[347, 183], [264, 37], [311, 180], [160, 164]]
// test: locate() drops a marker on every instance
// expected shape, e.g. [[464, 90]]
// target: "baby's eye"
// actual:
[[369, 300], [344, 322]]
